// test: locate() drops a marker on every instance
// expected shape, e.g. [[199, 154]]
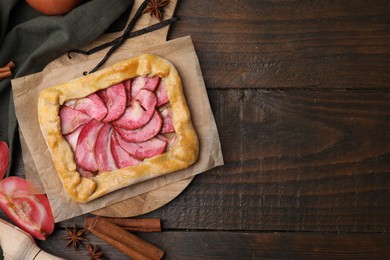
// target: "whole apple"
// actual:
[[53, 7]]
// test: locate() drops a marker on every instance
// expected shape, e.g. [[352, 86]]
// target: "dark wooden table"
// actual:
[[300, 95]]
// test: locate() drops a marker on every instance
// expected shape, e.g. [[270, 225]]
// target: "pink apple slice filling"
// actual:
[[147, 149], [115, 101], [144, 83], [119, 126], [167, 125], [144, 133], [103, 155], [161, 94], [122, 158], [170, 139], [139, 112], [127, 84], [91, 105], [72, 119], [85, 149], [102, 94], [73, 137], [152, 83]]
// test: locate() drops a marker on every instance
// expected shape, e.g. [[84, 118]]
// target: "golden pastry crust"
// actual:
[[181, 155]]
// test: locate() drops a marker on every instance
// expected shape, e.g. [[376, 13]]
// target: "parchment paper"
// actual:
[[37, 159]]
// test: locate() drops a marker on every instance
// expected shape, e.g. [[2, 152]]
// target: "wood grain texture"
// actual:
[[146, 202], [233, 245], [289, 44], [294, 160]]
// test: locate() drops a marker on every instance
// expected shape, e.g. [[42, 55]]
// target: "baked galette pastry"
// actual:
[[118, 126]]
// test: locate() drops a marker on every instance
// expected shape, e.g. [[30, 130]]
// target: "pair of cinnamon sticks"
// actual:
[[6, 71], [115, 231]]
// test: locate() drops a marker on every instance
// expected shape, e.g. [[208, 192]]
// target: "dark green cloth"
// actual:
[[33, 40]]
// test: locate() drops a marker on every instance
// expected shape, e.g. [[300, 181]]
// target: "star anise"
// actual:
[[75, 237], [94, 252], [155, 8]]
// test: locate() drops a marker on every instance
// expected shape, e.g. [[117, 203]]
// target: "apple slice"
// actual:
[[152, 83], [115, 102], [4, 158], [85, 149], [151, 129], [84, 173], [127, 84], [167, 125], [133, 117], [91, 105], [122, 158], [103, 154], [147, 99], [147, 149], [73, 137], [71, 119], [139, 112], [169, 138], [161, 94], [136, 85], [102, 94], [144, 83], [31, 212]]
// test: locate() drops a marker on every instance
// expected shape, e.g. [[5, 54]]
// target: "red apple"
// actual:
[[4, 158], [31, 212], [53, 7]]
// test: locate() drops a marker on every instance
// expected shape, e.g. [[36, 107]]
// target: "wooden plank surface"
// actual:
[[241, 245], [289, 44], [296, 161]]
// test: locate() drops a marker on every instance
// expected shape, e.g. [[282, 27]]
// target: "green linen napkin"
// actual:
[[33, 40]]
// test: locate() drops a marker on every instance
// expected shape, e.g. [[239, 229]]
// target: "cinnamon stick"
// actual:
[[4, 69], [132, 224], [5, 74], [123, 240]]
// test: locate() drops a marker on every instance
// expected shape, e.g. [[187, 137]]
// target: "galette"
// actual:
[[119, 126]]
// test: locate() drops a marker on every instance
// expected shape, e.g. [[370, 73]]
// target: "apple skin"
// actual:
[[53, 7]]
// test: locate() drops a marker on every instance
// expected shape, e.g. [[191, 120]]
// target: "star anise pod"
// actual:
[[155, 8], [75, 237], [94, 252]]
